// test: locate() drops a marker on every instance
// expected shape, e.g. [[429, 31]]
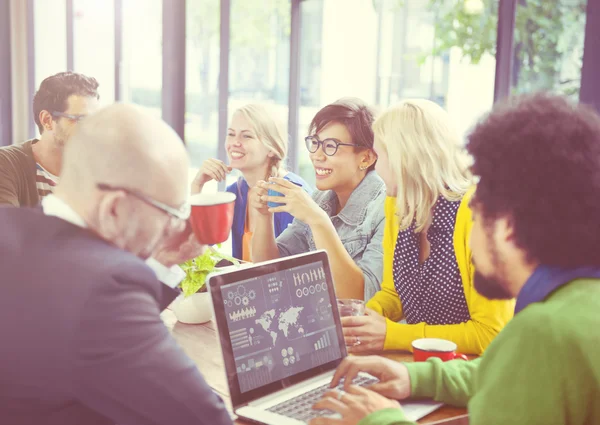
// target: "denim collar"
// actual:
[[355, 210], [546, 279]]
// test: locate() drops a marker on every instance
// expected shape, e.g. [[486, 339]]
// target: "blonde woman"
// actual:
[[257, 146], [428, 272]]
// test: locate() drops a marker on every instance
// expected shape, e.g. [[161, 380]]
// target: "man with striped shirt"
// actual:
[[44, 181], [29, 171]]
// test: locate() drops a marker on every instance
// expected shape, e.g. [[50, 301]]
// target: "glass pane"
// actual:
[[548, 48], [337, 59], [440, 50], [50, 38], [141, 68], [94, 44], [260, 55], [202, 75]]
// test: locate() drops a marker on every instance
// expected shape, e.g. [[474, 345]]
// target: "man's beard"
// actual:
[[491, 287], [60, 138], [59, 142]]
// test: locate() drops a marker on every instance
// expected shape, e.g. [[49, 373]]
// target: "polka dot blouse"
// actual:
[[431, 292]]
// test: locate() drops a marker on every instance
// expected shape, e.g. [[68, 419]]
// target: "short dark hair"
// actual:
[[56, 89], [356, 115], [538, 162]]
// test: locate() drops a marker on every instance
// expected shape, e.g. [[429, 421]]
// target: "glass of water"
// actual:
[[351, 307]]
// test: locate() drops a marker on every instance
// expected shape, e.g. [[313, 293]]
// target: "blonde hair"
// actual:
[[426, 157], [269, 130]]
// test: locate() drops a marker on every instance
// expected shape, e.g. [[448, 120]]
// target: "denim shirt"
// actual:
[[359, 226]]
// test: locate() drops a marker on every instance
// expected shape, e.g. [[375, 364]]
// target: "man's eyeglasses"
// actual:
[[74, 118], [181, 213], [330, 146]]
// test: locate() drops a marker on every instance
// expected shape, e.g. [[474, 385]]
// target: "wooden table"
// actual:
[[201, 344]]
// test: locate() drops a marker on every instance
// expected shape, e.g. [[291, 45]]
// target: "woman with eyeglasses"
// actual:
[[428, 273], [257, 146], [345, 216]]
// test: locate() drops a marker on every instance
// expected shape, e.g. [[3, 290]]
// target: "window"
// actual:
[[50, 38], [202, 75], [337, 59], [94, 44], [442, 50], [141, 67], [259, 58], [548, 49], [260, 52]]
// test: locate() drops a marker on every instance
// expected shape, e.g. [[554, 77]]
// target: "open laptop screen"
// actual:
[[282, 324]]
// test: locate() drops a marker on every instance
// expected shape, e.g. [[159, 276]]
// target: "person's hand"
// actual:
[[255, 198], [353, 404], [295, 201], [394, 380], [364, 333], [178, 246], [211, 169]]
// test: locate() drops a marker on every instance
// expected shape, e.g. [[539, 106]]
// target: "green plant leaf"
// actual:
[[199, 268], [193, 283], [205, 263]]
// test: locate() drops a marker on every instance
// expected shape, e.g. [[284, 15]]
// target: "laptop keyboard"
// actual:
[[300, 407]]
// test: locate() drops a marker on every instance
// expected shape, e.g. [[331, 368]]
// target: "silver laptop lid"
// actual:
[[278, 324]]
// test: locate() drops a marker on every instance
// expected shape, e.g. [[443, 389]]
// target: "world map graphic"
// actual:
[[286, 322]]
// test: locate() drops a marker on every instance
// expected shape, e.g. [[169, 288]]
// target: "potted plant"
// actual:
[[195, 306]]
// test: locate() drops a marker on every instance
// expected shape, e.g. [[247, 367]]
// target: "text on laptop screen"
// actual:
[[280, 324]]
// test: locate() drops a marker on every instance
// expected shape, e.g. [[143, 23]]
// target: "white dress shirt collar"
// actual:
[[56, 207]]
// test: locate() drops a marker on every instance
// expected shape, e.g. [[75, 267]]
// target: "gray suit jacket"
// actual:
[[82, 340]]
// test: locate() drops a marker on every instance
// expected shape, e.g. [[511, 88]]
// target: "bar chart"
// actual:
[[323, 342]]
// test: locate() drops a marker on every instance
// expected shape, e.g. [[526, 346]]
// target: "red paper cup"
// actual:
[[212, 216], [425, 348]]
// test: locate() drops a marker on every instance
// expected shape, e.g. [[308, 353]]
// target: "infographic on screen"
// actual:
[[280, 324]]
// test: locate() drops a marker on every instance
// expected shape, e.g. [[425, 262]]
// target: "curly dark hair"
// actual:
[[56, 89], [356, 115], [538, 162]]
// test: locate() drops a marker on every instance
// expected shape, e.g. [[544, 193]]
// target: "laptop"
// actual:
[[282, 340]]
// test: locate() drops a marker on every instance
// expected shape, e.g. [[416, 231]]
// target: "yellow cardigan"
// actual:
[[487, 317]]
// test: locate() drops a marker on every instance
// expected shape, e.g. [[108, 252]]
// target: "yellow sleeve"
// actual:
[[386, 302], [487, 317]]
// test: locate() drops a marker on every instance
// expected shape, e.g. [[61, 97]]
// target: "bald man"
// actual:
[[81, 337]]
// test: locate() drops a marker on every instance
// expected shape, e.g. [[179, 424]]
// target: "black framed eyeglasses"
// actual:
[[181, 213], [329, 146], [74, 118]]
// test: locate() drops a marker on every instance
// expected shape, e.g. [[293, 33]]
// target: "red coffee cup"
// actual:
[[425, 348], [212, 216]]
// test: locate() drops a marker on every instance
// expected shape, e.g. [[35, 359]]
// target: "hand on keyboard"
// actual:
[[394, 380], [352, 405], [301, 407]]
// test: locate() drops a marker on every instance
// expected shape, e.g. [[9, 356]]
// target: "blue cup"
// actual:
[[275, 193]]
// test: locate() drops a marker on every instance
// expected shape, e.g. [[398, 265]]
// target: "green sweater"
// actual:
[[542, 368]]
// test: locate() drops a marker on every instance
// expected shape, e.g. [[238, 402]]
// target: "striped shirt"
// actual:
[[44, 181]]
